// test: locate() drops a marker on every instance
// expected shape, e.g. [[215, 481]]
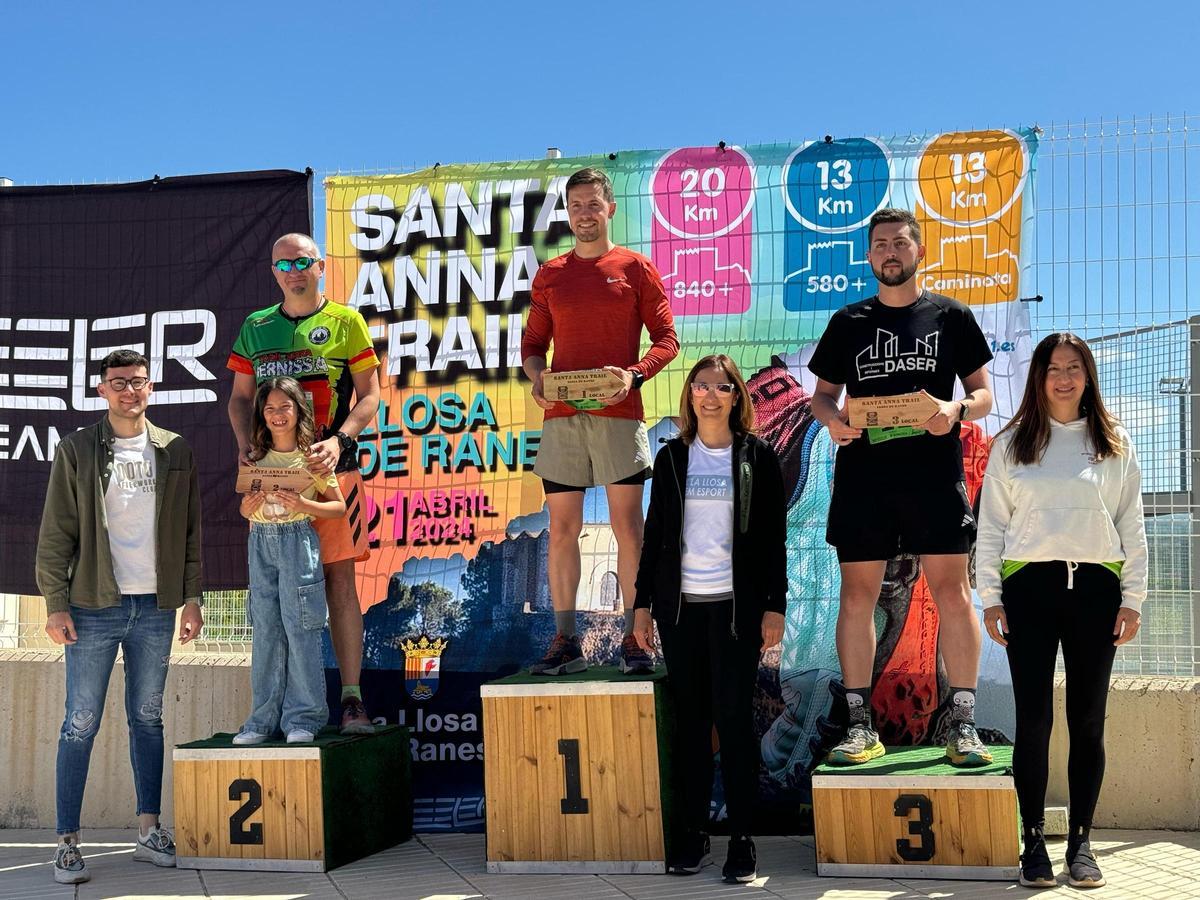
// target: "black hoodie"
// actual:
[[759, 535]]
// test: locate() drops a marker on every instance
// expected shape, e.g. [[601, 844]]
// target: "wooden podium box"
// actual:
[[911, 814], [292, 807], [574, 774]]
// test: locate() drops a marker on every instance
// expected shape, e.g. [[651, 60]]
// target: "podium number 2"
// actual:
[[920, 827], [238, 834], [574, 803]]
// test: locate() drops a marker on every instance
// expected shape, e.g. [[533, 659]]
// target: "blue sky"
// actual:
[[95, 92]]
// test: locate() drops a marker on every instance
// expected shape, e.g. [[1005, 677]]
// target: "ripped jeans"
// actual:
[[143, 632]]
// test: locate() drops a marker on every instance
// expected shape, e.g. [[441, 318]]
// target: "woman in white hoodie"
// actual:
[[1061, 559]]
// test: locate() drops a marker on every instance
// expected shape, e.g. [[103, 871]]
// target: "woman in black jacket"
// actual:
[[713, 574]]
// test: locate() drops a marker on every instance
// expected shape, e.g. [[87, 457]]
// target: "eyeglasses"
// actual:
[[300, 263], [119, 384], [703, 387]]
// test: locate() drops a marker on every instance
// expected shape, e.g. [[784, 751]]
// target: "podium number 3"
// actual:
[[919, 827], [238, 833], [574, 803]]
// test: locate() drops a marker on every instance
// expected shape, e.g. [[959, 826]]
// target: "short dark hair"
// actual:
[[118, 359], [590, 176], [893, 214]]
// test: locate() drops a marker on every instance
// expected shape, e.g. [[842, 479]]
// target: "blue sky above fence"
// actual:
[[126, 91]]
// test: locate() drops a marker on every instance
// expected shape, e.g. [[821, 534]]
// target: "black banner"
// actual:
[[170, 267]]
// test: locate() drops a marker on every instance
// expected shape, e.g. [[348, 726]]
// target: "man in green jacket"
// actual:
[[118, 553]]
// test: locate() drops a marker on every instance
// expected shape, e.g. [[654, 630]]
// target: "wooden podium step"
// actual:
[[912, 814], [574, 773], [291, 807]]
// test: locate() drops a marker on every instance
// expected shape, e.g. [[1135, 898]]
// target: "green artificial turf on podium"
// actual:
[[922, 761], [592, 673]]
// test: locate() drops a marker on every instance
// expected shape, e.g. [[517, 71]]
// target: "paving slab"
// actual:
[[1139, 865]]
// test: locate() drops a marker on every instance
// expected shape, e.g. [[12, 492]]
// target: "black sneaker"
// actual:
[[694, 854], [564, 657], [741, 863], [1082, 870], [1036, 871]]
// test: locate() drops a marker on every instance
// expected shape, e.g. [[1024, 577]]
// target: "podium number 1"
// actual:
[[238, 834], [574, 803], [920, 827]]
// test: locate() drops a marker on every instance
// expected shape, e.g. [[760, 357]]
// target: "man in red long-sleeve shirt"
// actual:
[[592, 304]]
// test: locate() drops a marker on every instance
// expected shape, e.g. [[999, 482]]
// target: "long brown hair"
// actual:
[[741, 416], [1031, 423], [260, 435]]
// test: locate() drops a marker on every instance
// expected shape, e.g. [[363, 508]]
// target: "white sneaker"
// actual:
[[244, 738], [68, 864], [300, 736], [157, 847]]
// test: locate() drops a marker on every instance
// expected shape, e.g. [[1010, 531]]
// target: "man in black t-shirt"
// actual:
[[901, 490]]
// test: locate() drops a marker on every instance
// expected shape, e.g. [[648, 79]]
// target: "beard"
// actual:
[[896, 278], [588, 233]]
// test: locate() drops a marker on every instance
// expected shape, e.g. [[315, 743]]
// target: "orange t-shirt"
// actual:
[[593, 311]]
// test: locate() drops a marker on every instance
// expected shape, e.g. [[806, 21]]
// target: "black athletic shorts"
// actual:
[[553, 487], [868, 524]]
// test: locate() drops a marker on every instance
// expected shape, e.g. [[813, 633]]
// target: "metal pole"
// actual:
[[1183, 435], [1193, 449]]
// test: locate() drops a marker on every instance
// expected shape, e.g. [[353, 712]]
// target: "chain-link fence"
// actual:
[[1117, 251]]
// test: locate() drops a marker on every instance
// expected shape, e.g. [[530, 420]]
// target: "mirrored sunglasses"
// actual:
[[300, 263]]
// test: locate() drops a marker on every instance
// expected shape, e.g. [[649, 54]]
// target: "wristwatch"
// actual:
[[962, 410], [345, 441], [638, 380]]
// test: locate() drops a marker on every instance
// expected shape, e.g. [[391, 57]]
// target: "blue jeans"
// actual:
[[287, 610], [143, 632]]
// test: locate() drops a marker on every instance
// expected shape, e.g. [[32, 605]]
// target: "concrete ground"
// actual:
[[1164, 865]]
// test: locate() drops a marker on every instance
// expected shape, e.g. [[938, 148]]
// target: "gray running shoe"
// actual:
[[354, 717], [634, 660], [1082, 869], [157, 847], [565, 657], [860, 745], [68, 864], [964, 748]]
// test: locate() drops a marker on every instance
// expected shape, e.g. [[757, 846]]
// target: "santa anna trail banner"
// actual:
[[757, 246]]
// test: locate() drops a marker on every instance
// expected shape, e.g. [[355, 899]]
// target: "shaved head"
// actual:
[[295, 241]]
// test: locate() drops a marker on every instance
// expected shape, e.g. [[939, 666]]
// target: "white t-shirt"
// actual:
[[708, 521], [129, 504]]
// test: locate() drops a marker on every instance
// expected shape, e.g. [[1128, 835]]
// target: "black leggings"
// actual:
[[712, 675], [1043, 611]]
